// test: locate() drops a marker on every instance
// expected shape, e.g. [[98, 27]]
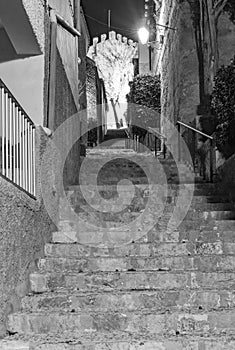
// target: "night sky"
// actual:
[[126, 15]]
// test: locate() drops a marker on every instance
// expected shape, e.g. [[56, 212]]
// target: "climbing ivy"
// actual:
[[230, 9], [223, 106]]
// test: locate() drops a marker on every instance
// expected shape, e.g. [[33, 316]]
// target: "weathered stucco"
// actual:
[[25, 224], [25, 228], [36, 14]]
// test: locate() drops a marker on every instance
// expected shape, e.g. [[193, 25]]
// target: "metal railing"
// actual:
[[17, 133], [157, 136], [207, 156], [157, 144]]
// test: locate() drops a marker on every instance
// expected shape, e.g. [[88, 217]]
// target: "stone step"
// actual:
[[87, 237], [207, 225], [139, 250], [189, 231], [135, 324], [204, 243], [155, 301], [211, 261], [212, 191], [203, 237], [140, 198], [131, 281], [161, 343], [84, 220]]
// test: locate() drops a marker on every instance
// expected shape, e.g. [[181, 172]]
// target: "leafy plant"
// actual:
[[223, 106], [230, 9], [145, 100]]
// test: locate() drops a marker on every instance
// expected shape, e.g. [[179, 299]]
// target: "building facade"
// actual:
[[97, 106], [40, 72]]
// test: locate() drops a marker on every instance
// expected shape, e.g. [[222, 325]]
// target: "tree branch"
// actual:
[[218, 7]]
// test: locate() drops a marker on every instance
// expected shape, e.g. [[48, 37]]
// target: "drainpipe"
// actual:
[[52, 71], [77, 21]]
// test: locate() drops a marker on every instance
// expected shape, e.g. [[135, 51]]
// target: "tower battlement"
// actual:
[[113, 36]]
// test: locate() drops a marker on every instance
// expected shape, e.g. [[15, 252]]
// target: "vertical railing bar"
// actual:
[[211, 161], [155, 146], [14, 141], [10, 137], [26, 153], [7, 134], [28, 159], [3, 130], [17, 147], [34, 163], [23, 151], [1, 116], [18, 154], [30, 154], [179, 142], [164, 148]]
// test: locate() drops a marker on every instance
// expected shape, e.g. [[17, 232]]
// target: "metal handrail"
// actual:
[[127, 133], [155, 131], [160, 136], [3, 85], [209, 137], [196, 130]]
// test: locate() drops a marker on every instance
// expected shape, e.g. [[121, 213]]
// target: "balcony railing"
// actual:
[[17, 138]]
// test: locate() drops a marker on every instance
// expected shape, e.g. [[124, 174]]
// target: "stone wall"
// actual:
[[96, 102], [25, 228], [91, 90], [226, 174], [177, 61]]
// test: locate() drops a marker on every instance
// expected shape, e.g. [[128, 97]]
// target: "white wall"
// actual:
[[25, 80]]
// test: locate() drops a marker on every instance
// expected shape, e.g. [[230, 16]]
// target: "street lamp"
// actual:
[[143, 34]]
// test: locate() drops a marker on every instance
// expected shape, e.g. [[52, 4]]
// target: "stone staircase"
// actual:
[[106, 284]]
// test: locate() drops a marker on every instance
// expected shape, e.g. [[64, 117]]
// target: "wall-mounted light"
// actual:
[[143, 34]]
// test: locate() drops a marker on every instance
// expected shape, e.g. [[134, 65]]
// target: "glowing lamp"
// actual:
[[143, 34]]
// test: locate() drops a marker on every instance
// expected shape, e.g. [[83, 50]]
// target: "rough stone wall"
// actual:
[[25, 228], [226, 174], [96, 99], [177, 60], [177, 64], [91, 90], [226, 39]]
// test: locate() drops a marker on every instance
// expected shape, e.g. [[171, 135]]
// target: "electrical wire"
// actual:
[[123, 29], [106, 25]]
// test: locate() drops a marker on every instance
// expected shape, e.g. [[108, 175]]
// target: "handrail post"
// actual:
[[211, 161], [155, 146], [179, 140], [164, 148]]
